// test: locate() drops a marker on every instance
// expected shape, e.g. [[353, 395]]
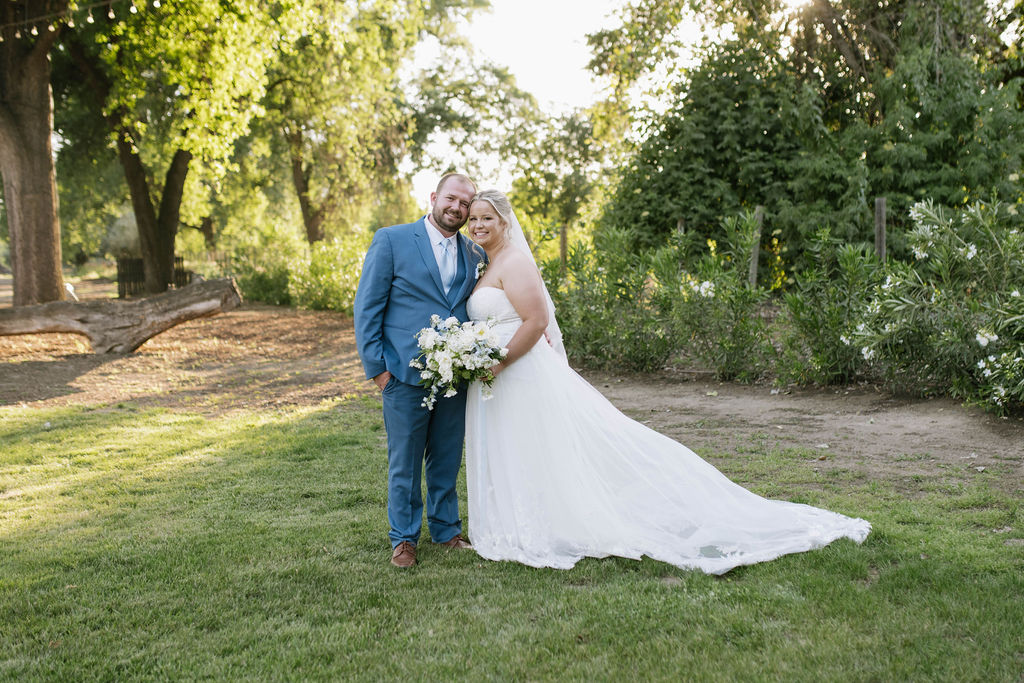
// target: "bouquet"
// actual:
[[451, 352]]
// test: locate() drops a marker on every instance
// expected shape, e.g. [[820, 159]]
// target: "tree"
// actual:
[[558, 171], [815, 112], [175, 83], [334, 106], [26, 153]]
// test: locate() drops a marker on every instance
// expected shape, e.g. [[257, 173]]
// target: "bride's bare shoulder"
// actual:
[[520, 261]]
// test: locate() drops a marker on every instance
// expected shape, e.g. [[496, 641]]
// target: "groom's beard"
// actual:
[[449, 220]]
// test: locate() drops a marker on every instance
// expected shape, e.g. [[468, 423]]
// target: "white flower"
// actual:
[[867, 352], [920, 253], [970, 252], [843, 338], [429, 338], [984, 337], [1015, 293]]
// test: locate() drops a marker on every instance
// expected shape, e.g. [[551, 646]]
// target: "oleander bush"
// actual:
[[611, 310], [952, 321], [821, 311]]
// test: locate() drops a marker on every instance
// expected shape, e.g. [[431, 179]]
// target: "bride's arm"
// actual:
[[525, 290]]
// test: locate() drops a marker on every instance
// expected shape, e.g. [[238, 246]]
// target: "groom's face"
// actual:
[[450, 204]]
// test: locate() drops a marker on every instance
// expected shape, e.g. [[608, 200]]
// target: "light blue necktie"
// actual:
[[447, 265]]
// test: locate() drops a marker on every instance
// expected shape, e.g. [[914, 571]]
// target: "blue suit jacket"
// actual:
[[399, 289]]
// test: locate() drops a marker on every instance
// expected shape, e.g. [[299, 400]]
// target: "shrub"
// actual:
[[326, 277], [717, 313], [953, 320], [610, 308], [261, 274], [822, 311]]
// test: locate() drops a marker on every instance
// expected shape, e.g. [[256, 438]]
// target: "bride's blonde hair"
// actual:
[[499, 201]]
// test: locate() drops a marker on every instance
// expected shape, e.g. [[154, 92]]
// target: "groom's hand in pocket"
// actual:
[[382, 380]]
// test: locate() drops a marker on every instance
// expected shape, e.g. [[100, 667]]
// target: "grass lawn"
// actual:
[[158, 544]]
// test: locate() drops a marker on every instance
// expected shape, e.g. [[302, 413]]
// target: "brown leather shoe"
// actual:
[[404, 555], [457, 542]]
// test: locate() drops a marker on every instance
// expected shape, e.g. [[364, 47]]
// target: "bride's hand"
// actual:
[[495, 369]]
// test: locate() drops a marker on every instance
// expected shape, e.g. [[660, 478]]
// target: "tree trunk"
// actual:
[[312, 218], [170, 210], [156, 231], [27, 166], [205, 228], [145, 213], [122, 327]]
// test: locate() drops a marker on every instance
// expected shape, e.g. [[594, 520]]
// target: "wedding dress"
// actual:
[[556, 473]]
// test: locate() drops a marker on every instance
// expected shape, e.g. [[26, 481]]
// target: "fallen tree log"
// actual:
[[123, 326]]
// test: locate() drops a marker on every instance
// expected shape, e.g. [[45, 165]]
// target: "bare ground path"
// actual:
[[265, 356]]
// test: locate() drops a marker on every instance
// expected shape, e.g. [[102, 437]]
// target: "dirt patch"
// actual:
[[266, 356], [863, 430]]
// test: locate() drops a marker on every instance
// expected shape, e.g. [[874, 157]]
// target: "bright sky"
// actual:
[[544, 44]]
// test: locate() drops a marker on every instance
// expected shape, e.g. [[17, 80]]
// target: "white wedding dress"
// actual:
[[556, 473]]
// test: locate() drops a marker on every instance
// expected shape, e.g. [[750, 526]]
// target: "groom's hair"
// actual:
[[460, 176]]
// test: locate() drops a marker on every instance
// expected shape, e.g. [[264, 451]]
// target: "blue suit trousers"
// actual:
[[421, 439]]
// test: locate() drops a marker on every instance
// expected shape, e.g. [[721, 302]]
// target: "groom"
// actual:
[[411, 272]]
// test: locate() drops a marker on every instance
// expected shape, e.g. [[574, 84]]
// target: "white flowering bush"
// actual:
[[452, 353], [952, 321]]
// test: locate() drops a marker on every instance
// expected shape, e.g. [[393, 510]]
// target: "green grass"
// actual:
[[151, 544]]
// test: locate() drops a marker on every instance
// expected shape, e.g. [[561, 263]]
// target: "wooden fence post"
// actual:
[[880, 227], [755, 250], [563, 247]]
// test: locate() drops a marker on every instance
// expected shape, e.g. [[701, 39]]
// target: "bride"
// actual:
[[556, 473]]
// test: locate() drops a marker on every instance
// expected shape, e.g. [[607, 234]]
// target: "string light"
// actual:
[[53, 20]]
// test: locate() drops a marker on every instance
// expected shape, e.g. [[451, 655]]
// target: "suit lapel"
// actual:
[[427, 253]]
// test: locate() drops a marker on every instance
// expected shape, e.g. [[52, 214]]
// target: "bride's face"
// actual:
[[485, 226]]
